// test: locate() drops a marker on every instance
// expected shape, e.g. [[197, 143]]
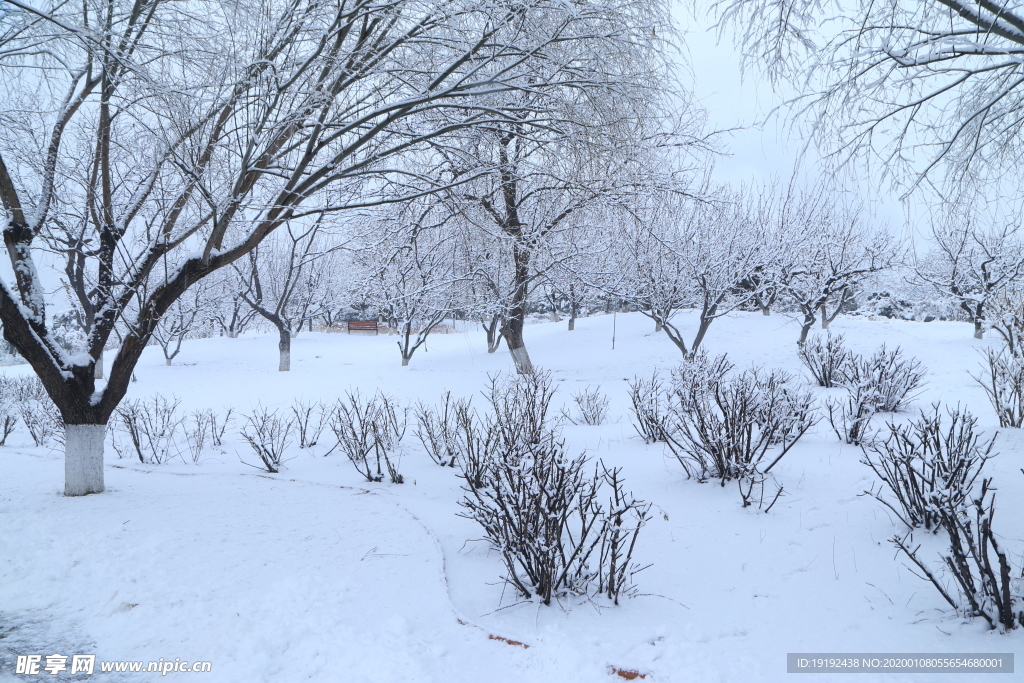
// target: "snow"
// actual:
[[312, 574]]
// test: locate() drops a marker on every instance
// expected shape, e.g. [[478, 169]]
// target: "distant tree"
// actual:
[[282, 280], [685, 253], [972, 264]]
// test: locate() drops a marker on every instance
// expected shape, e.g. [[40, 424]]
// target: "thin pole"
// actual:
[[614, 319]]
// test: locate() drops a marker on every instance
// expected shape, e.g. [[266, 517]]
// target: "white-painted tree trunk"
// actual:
[[83, 459], [522, 361], [286, 361], [97, 370]]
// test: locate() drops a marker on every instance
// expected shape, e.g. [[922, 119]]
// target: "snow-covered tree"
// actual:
[[971, 264], [684, 253], [909, 85], [164, 141], [412, 274], [282, 281]]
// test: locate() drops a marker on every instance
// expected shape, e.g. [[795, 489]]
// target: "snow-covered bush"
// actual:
[[8, 407], [310, 420], [826, 358], [543, 512], [520, 404], [204, 427], [737, 427], [850, 417], [151, 426], [592, 405], [269, 435], [37, 411], [882, 383], [369, 432], [648, 399], [1002, 378], [886, 375], [985, 583], [927, 467], [439, 430]]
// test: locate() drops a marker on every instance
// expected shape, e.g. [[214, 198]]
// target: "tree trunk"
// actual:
[[83, 459], [284, 345], [572, 323], [824, 318], [97, 371], [512, 327], [657, 326], [167, 361], [405, 361], [766, 310], [979, 329]]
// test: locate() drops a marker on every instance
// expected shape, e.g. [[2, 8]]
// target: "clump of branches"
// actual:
[[696, 376], [985, 583], [36, 410], [891, 378], [928, 468], [439, 430], [8, 407], [520, 404], [649, 407], [740, 427], [1002, 378], [369, 432], [310, 419], [827, 359], [542, 511], [204, 427], [851, 417], [592, 406], [269, 435], [150, 425], [883, 383]]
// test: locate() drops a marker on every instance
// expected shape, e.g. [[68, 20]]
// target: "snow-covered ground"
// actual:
[[312, 574]]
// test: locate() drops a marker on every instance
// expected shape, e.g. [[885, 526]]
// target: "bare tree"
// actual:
[[911, 85], [413, 277], [281, 282], [971, 264], [686, 253], [178, 323], [147, 134]]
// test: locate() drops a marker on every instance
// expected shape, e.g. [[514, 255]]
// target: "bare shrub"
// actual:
[[197, 432], [883, 383], [151, 425], [438, 430], [521, 404], [696, 376], [8, 407], [985, 583], [592, 406], [36, 410], [542, 512], [310, 419], [649, 407], [928, 468], [887, 376], [826, 358], [851, 417], [204, 427], [739, 427], [269, 435], [369, 432], [1002, 378]]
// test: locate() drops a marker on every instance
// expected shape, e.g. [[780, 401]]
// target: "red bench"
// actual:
[[362, 326]]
